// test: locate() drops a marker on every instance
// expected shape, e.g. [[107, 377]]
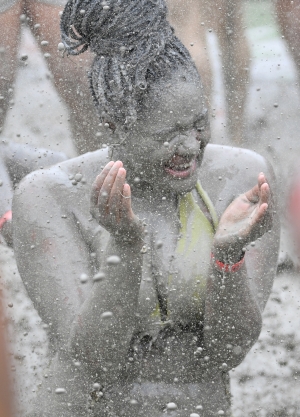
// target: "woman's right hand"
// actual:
[[111, 204]]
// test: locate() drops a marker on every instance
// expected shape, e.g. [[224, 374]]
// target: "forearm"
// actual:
[[232, 316], [103, 329]]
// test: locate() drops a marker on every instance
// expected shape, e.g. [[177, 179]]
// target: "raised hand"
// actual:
[[111, 204], [247, 218]]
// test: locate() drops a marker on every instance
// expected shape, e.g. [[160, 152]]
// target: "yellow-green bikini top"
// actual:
[[186, 281]]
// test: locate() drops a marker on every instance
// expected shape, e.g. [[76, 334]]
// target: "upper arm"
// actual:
[[50, 252]]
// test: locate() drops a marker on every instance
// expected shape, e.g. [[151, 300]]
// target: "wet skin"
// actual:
[[16, 161], [73, 230]]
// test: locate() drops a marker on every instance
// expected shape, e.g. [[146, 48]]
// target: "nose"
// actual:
[[186, 144]]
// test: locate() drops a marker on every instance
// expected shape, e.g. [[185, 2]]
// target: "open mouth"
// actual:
[[181, 166]]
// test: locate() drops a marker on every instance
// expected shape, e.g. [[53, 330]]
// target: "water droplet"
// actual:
[[106, 7], [159, 244], [194, 415], [10, 304], [82, 11], [37, 25], [136, 180], [78, 177], [96, 386], [44, 43], [99, 277], [275, 105], [199, 407], [24, 57], [1, 183], [60, 46], [144, 249], [221, 413], [166, 144], [83, 278], [60, 391], [106, 315], [47, 55], [113, 260], [133, 402], [171, 406]]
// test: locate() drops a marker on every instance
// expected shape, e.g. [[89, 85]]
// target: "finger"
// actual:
[[260, 213], [115, 198], [261, 179], [126, 209], [253, 194], [264, 194], [107, 185], [97, 184]]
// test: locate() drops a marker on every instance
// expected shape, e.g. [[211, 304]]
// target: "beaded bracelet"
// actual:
[[227, 267], [5, 218]]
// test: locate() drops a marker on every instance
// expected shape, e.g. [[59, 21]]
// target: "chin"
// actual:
[[183, 186]]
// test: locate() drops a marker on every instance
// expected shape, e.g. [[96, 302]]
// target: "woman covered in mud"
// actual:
[[150, 260]]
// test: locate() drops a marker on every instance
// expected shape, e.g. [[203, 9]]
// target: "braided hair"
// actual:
[[134, 45]]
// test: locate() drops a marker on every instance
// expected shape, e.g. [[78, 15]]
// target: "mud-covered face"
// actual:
[[165, 146]]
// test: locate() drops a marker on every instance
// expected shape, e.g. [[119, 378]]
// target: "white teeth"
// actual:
[[181, 167]]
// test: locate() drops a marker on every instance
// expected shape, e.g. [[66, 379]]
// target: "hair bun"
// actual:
[[127, 36]]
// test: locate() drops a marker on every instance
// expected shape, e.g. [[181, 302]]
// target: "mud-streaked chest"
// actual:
[[175, 270]]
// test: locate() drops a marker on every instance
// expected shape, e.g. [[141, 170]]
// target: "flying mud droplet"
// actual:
[[60, 391], [100, 276], [106, 315], [113, 260], [24, 57], [144, 249], [83, 278], [78, 177], [171, 406]]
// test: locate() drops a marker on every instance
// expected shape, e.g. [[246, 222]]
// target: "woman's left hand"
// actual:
[[247, 218]]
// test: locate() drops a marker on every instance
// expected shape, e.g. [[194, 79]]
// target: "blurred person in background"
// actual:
[[192, 19], [6, 402]]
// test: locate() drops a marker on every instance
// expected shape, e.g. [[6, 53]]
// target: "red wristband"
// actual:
[[5, 218], [227, 267]]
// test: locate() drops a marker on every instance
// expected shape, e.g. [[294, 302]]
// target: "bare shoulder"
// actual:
[[227, 172], [60, 189], [65, 176]]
